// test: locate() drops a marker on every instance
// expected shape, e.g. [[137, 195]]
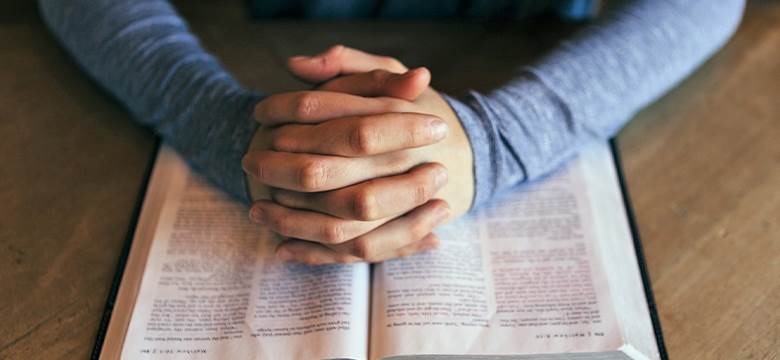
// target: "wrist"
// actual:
[[473, 135]]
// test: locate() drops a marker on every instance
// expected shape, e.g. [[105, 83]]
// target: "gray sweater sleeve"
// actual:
[[588, 87], [142, 52]]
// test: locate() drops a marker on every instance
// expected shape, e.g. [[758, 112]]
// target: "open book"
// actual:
[[548, 272]]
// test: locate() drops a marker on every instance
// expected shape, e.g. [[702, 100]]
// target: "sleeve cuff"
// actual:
[[217, 139]]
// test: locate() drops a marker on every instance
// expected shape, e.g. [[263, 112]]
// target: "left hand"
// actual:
[[373, 211], [337, 67]]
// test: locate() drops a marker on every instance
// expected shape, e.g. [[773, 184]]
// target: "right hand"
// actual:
[[339, 123], [333, 154]]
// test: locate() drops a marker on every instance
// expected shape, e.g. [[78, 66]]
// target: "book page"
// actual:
[[211, 288], [523, 276], [617, 246]]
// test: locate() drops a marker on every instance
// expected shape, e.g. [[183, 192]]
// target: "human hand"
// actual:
[[341, 67], [323, 155], [348, 221]]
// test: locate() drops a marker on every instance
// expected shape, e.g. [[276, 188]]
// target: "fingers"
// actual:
[[393, 239], [313, 173], [374, 199], [407, 86], [309, 225], [318, 106], [340, 60], [317, 254], [429, 242], [361, 136]]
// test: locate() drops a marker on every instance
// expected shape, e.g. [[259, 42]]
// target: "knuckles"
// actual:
[[379, 77], [364, 205], [362, 249], [280, 141], [363, 139], [333, 234], [279, 224], [335, 51], [306, 105], [312, 176]]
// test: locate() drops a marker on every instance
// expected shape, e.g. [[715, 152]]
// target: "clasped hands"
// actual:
[[361, 168]]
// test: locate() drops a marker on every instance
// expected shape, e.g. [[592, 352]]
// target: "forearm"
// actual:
[[589, 86], [142, 52]]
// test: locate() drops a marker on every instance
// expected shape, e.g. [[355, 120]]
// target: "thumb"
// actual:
[[407, 86], [340, 60]]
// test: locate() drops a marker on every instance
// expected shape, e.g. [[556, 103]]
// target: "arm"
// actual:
[[589, 87], [586, 89], [142, 52]]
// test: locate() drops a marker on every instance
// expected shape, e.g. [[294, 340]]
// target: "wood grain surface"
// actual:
[[702, 166]]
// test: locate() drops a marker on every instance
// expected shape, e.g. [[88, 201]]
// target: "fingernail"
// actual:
[[442, 214], [438, 129], [257, 215], [298, 58], [410, 73], [429, 244], [284, 254], [418, 70], [441, 177], [246, 165]]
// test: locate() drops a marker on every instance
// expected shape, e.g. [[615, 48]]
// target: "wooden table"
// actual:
[[702, 164]]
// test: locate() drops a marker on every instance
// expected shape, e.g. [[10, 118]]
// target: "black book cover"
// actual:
[[640, 255]]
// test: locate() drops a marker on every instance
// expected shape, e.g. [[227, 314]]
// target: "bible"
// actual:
[[552, 270]]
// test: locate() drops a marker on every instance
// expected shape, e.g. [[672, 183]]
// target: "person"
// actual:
[[365, 165]]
